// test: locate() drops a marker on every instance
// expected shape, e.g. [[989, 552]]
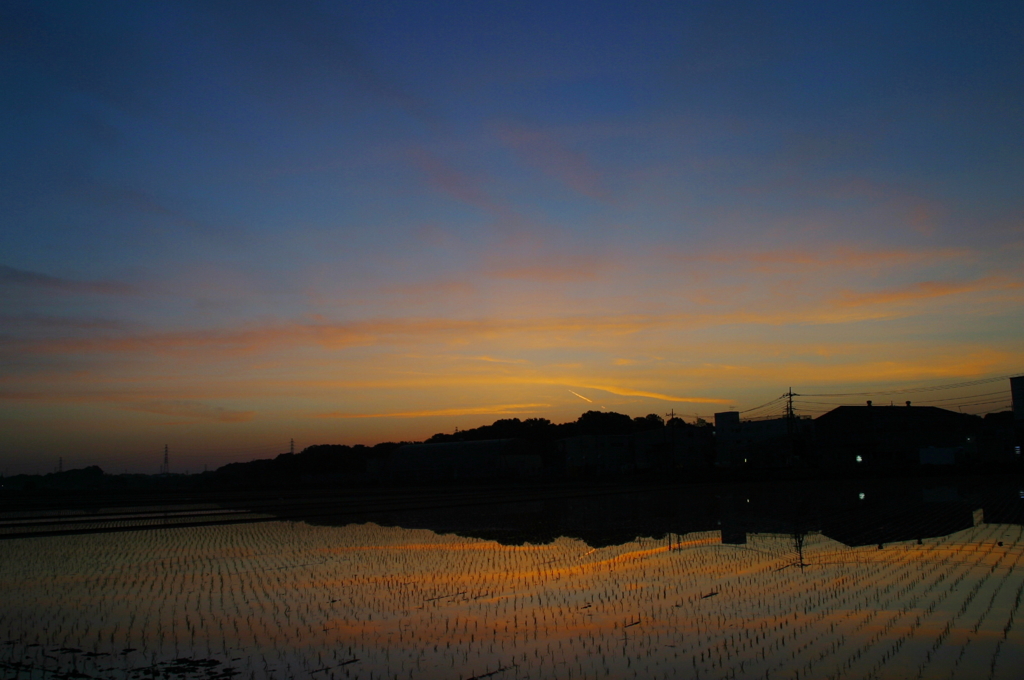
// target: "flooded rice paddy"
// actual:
[[763, 594]]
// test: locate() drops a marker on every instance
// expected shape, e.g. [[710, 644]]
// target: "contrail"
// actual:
[[582, 397]]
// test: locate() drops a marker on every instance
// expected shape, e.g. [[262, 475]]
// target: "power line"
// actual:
[[910, 390], [983, 412], [1002, 393], [959, 401], [1005, 406], [980, 403], [256, 448], [778, 409], [776, 399]]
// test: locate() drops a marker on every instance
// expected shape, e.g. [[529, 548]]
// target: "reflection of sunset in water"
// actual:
[[290, 600]]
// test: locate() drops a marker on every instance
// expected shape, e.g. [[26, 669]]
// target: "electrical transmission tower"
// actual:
[[292, 449], [165, 469]]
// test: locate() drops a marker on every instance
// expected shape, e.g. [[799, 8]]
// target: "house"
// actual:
[[895, 436]]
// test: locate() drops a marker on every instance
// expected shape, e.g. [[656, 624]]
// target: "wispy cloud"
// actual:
[[315, 57], [342, 335], [543, 151], [503, 409], [44, 323], [131, 200], [88, 388], [548, 268], [431, 289], [454, 183], [10, 276], [192, 410]]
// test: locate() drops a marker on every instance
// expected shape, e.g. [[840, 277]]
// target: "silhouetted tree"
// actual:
[[604, 422], [652, 421]]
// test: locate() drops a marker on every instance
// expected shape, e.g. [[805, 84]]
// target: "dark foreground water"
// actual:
[[803, 581]]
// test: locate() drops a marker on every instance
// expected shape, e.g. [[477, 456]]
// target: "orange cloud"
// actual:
[[924, 290], [839, 257], [341, 335], [504, 409], [493, 360], [507, 336]]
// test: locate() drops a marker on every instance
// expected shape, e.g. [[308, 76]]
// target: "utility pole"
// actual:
[[791, 432], [165, 469], [790, 413]]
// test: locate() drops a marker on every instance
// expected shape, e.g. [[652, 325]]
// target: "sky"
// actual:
[[226, 225]]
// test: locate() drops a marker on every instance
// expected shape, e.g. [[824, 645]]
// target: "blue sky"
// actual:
[[229, 224]]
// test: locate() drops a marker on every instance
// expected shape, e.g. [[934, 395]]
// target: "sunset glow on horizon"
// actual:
[[229, 225]]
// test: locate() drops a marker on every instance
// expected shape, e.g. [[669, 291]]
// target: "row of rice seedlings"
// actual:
[[281, 599]]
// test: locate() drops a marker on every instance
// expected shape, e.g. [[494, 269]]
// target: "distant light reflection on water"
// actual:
[[286, 599]]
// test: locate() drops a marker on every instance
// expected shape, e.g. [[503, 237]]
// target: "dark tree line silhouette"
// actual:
[[341, 463], [542, 429]]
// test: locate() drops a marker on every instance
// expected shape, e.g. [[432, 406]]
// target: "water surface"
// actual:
[[293, 599]]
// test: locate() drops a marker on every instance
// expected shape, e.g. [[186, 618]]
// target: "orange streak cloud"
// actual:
[[581, 397], [626, 392]]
